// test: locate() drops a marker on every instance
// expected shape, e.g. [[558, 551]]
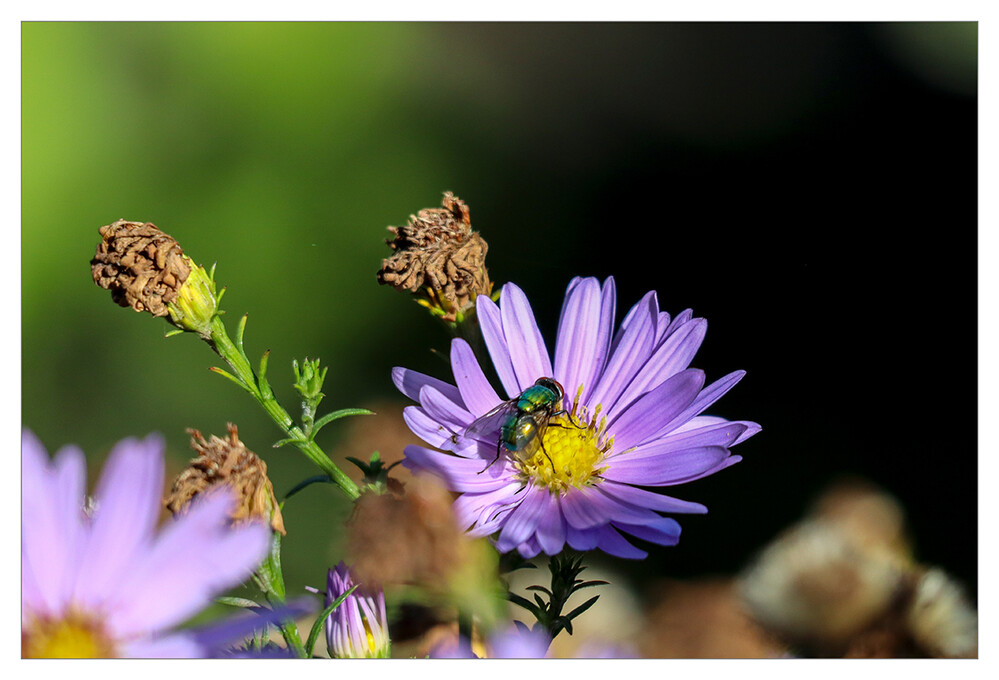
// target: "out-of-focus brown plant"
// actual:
[[843, 582]]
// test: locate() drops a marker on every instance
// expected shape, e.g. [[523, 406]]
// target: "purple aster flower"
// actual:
[[358, 628], [512, 643], [632, 420], [97, 579]]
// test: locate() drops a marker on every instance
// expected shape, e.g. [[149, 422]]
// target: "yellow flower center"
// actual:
[[74, 636], [568, 452]]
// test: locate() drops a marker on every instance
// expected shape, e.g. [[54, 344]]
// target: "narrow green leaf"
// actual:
[[265, 387], [176, 331], [289, 440], [239, 334], [216, 369], [324, 479], [317, 627], [525, 603], [238, 602], [540, 589], [589, 584], [336, 415], [582, 608]]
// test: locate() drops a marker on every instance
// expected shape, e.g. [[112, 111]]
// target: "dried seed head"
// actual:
[[440, 259], [142, 267], [228, 462], [412, 539], [941, 619], [147, 270]]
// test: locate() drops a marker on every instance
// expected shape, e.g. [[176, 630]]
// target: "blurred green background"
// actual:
[[756, 172]]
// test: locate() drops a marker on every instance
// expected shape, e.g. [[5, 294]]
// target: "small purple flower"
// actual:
[[358, 628], [633, 421], [511, 643], [98, 580]]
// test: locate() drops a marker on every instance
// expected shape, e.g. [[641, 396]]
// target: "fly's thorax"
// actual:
[[537, 398]]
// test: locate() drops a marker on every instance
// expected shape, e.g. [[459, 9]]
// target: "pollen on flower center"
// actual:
[[569, 451], [72, 637]]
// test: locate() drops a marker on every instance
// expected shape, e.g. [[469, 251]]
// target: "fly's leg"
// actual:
[[542, 442], [568, 415], [493, 462]]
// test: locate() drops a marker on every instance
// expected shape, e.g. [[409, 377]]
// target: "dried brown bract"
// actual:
[[142, 267], [407, 540], [228, 462], [437, 255]]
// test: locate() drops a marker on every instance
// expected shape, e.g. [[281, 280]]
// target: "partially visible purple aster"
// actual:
[[633, 393], [512, 643], [102, 581], [358, 628]]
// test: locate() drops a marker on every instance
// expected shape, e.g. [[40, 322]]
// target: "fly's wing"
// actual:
[[486, 427]]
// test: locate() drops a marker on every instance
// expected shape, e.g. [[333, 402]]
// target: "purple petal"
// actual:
[[577, 338], [551, 528], [195, 558], [648, 499], [725, 433], [698, 422], [612, 543], [479, 508], [632, 349], [476, 392], [673, 356], [591, 507], [662, 323], [529, 548], [527, 348], [605, 331], [651, 414], [515, 644], [708, 396], [681, 318], [433, 433], [182, 645], [669, 467], [410, 382], [459, 474], [128, 505], [491, 325], [524, 519], [664, 532], [452, 416], [44, 560], [581, 539]]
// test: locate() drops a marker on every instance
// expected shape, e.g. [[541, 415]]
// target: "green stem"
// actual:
[[224, 347]]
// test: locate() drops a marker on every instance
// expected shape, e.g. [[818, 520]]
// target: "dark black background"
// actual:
[[800, 187]]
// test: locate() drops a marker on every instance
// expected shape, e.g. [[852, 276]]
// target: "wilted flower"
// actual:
[[146, 269], [632, 420], [439, 259], [940, 618], [229, 463], [358, 628], [842, 582], [103, 582]]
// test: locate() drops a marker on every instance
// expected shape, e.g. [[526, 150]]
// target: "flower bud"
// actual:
[[439, 259], [228, 462], [358, 628], [147, 270]]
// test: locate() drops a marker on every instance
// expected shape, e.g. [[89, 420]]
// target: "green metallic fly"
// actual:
[[519, 421]]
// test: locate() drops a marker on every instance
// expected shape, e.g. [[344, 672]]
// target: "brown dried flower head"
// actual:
[[142, 267], [440, 259], [228, 462], [407, 539]]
